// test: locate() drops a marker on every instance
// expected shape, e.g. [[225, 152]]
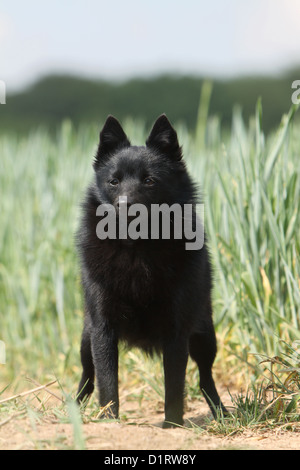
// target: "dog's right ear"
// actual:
[[112, 137]]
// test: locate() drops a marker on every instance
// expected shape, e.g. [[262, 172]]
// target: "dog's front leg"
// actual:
[[105, 358], [175, 355]]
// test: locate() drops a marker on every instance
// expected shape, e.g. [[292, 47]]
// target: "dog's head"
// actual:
[[151, 174]]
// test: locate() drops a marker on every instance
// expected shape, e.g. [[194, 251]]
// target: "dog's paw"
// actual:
[[171, 425]]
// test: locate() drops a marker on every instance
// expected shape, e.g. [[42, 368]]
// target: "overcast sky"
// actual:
[[124, 38]]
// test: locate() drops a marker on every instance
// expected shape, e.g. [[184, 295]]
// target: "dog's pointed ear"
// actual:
[[163, 138], [112, 137]]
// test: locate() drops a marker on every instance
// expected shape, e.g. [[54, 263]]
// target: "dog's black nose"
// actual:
[[124, 201]]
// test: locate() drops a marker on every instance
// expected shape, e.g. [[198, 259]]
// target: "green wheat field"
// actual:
[[251, 189]]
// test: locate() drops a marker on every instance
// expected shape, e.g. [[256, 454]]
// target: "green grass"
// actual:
[[268, 405], [251, 188]]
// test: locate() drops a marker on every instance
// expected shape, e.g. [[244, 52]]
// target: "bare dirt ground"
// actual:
[[142, 430]]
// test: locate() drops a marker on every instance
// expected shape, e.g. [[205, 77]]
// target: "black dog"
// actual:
[[151, 293]]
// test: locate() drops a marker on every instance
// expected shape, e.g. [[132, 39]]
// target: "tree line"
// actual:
[[54, 98]]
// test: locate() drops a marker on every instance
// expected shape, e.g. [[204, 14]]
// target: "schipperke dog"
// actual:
[[152, 293]]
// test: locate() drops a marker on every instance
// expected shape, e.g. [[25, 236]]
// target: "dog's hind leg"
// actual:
[[203, 348]]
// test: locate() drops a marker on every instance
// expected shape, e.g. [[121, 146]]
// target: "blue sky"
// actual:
[[120, 39]]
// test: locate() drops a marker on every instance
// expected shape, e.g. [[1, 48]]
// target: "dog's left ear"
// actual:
[[163, 138]]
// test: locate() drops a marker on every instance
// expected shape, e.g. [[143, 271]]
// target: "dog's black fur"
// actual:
[[153, 294]]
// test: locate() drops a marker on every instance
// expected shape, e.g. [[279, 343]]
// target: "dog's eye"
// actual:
[[114, 182], [149, 181]]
